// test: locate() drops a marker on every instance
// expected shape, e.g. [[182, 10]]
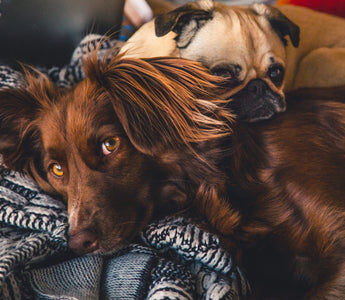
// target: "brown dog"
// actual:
[[107, 144], [135, 140], [246, 44]]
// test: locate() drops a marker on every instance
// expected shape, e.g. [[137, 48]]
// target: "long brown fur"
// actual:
[[274, 190], [158, 109], [287, 179]]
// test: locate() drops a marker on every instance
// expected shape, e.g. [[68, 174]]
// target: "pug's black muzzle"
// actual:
[[257, 102]]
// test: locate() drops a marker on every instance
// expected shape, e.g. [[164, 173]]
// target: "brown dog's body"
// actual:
[[292, 178], [134, 141]]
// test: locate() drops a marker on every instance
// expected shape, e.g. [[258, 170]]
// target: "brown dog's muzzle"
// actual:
[[84, 241], [107, 222]]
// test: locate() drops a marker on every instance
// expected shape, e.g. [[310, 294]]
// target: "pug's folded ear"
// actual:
[[282, 25], [185, 21]]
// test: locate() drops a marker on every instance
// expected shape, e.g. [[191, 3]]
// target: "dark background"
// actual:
[[45, 32]]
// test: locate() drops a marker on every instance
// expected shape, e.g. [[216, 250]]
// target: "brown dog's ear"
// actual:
[[162, 102], [185, 21], [18, 111], [279, 22], [19, 135]]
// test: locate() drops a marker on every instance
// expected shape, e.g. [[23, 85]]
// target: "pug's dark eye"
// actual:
[[223, 72], [276, 74]]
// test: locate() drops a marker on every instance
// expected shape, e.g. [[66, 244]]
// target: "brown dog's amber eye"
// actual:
[[110, 145], [57, 170]]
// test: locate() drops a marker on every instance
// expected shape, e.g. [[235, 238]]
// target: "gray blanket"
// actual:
[[171, 259]]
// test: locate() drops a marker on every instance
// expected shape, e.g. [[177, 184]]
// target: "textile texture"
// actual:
[[171, 259]]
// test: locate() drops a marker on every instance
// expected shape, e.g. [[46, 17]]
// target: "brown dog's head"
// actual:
[[112, 145], [246, 45]]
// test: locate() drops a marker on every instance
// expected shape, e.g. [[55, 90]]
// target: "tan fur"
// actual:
[[223, 40], [238, 44], [319, 60]]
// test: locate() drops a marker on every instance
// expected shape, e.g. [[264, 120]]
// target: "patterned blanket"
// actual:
[[171, 259]]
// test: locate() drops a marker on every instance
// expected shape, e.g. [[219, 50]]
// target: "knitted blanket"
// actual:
[[171, 259]]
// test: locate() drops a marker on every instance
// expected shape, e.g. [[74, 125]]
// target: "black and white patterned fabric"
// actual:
[[171, 259]]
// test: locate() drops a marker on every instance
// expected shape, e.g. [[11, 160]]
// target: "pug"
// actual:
[[245, 45], [259, 49]]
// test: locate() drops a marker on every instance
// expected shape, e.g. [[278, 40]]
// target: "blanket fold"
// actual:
[[171, 259]]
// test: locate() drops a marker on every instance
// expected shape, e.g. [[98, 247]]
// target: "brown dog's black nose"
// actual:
[[84, 241]]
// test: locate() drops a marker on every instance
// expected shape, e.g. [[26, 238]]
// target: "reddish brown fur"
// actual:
[[157, 109], [288, 179], [275, 188]]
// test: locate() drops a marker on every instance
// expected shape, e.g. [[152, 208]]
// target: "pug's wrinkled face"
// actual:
[[243, 44]]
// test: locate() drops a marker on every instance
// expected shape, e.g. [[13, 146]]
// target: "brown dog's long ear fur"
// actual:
[[162, 102], [185, 21], [18, 110], [279, 22], [215, 206]]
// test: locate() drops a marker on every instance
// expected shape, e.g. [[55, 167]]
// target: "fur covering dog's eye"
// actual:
[[223, 72], [229, 72]]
